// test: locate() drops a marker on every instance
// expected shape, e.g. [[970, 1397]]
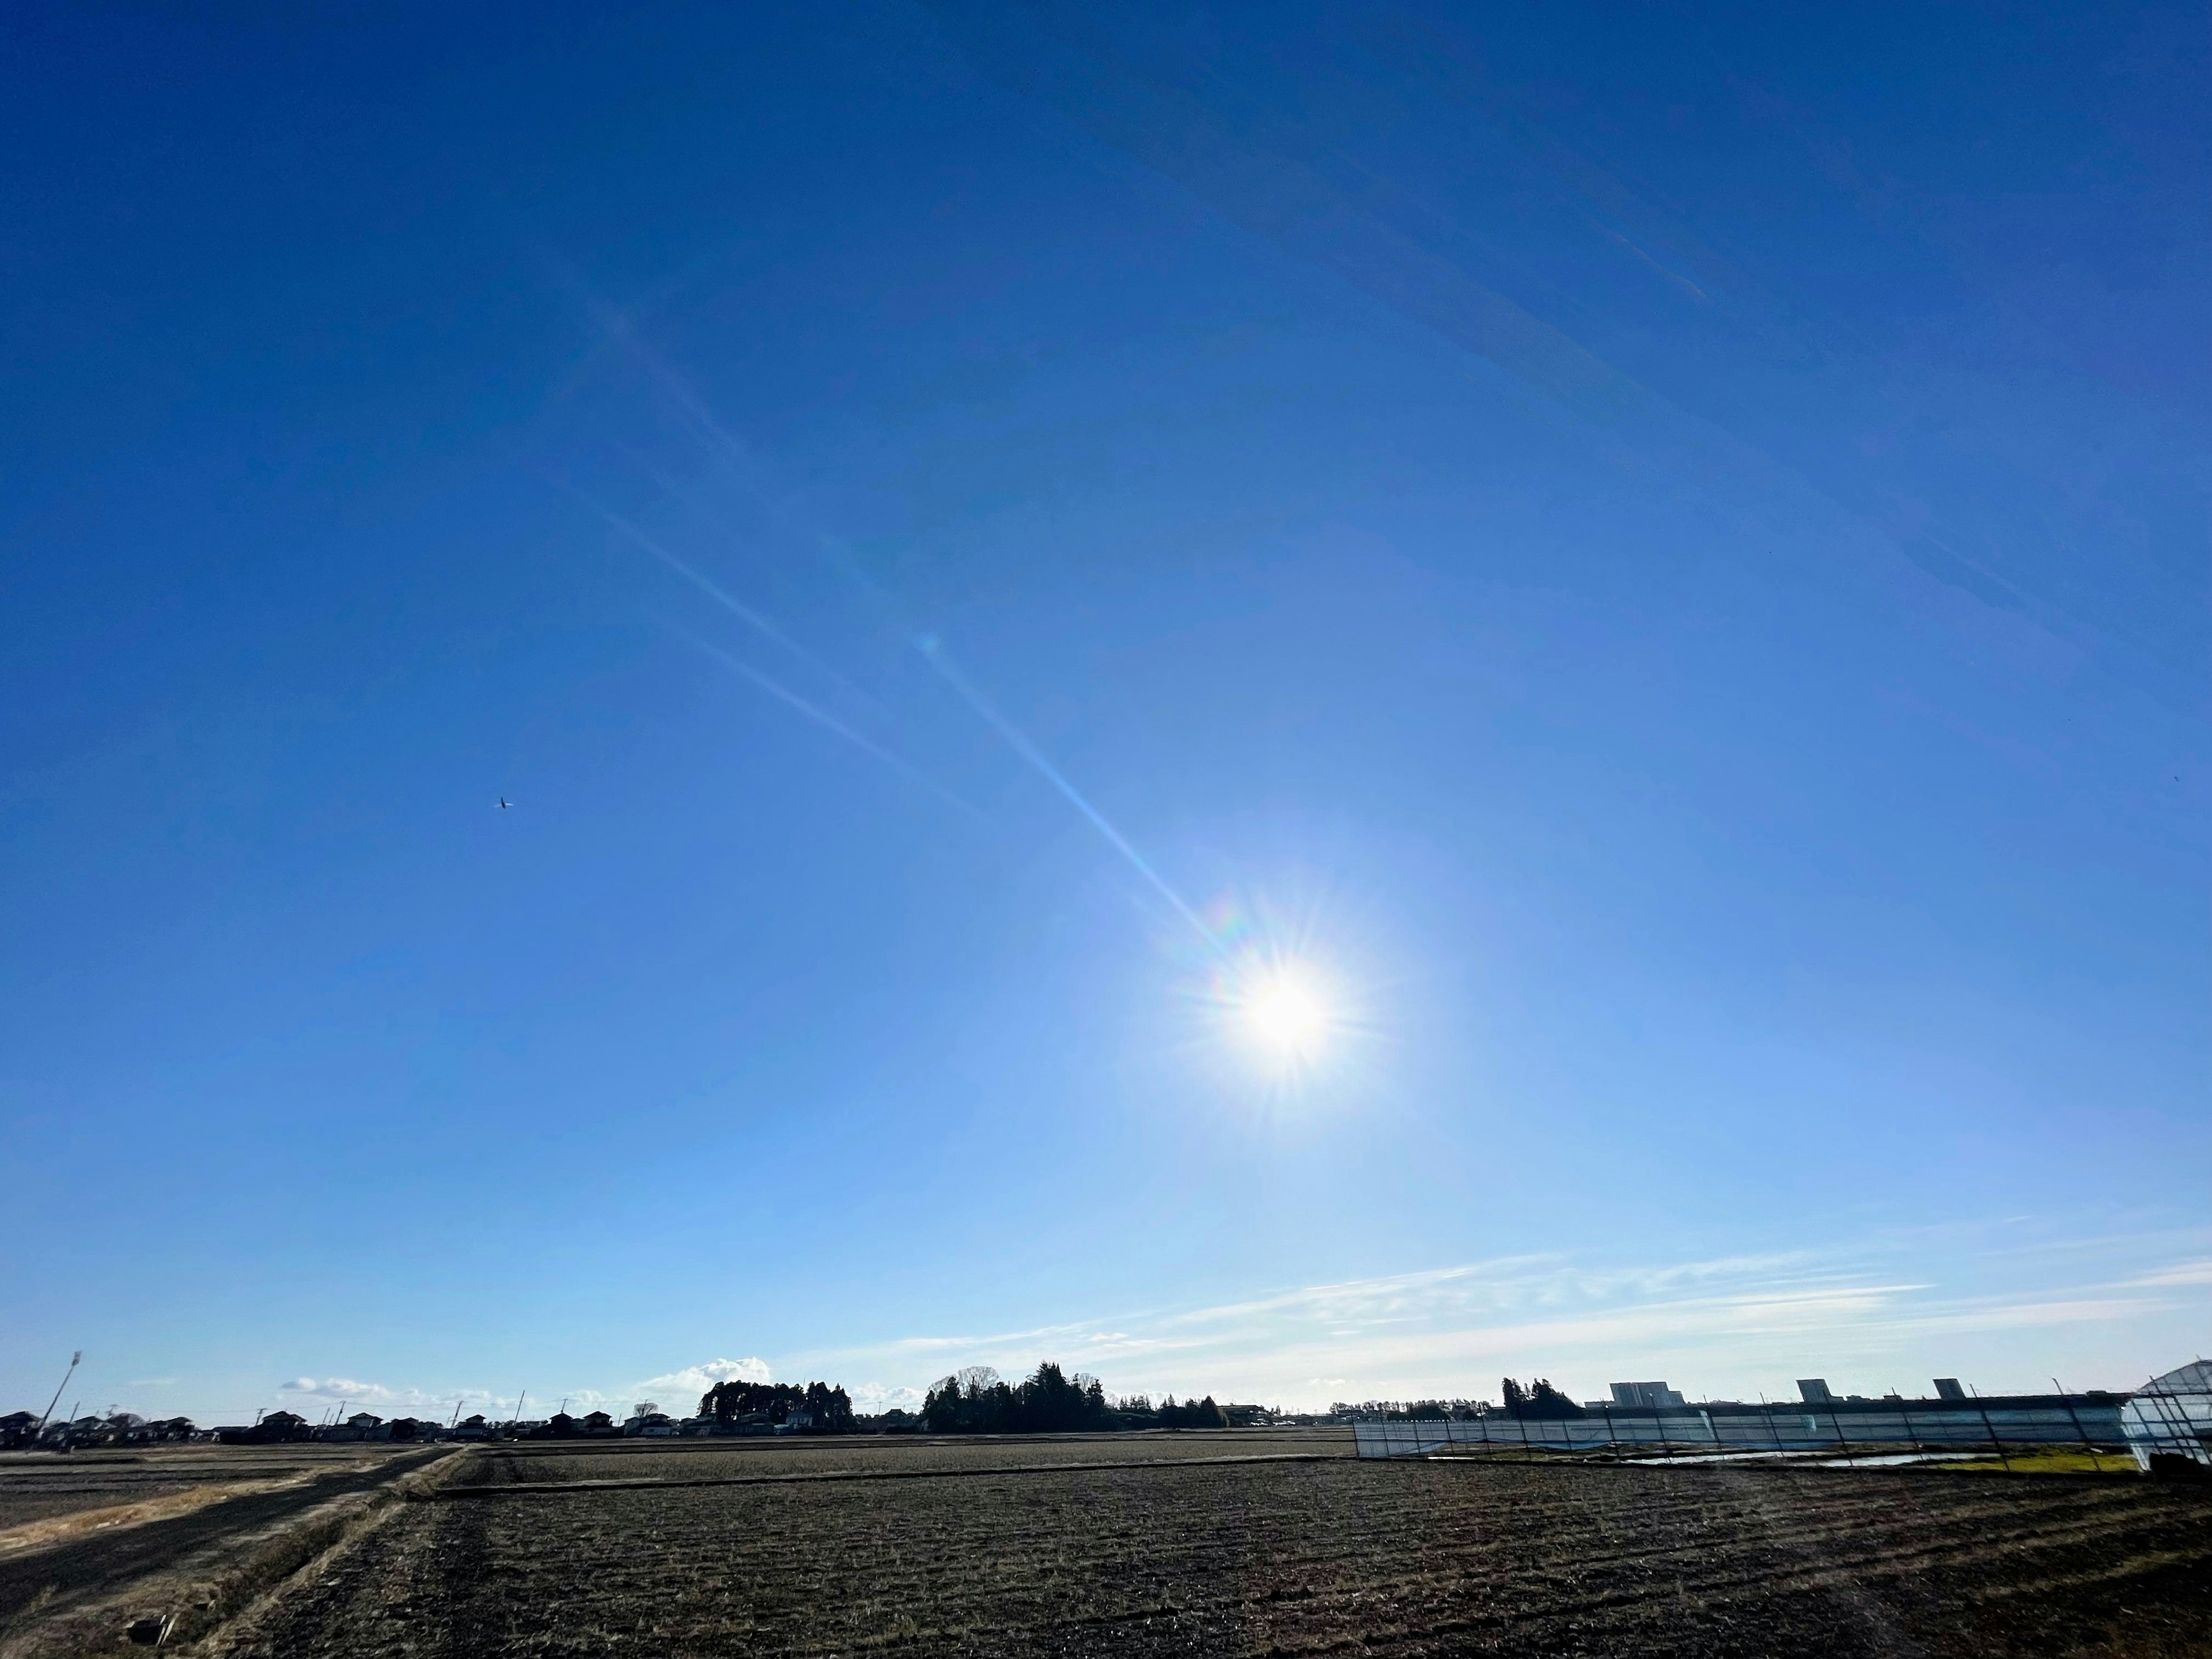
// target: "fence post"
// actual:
[[1991, 1427], [1773, 1433], [2087, 1445], [1842, 1439]]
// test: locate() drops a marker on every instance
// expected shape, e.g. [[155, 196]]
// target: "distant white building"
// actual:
[[2169, 1418], [1647, 1396]]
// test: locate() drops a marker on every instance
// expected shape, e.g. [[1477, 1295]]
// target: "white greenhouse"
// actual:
[[2171, 1417]]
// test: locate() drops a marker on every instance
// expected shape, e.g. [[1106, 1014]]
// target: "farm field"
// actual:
[[777, 1457], [985, 1551], [37, 1486], [196, 1531]]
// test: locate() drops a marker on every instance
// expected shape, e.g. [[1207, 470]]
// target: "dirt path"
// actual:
[[90, 1567]]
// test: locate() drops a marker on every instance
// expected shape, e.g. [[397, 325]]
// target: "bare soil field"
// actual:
[[198, 1532], [570, 1463], [1010, 1548], [42, 1486]]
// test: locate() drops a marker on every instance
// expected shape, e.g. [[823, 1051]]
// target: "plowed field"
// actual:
[[40, 1485], [984, 1552]]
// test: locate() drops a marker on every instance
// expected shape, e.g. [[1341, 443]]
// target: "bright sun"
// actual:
[[1285, 1016]]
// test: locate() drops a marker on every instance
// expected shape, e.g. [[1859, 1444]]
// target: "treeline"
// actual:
[[1536, 1398], [1540, 1400], [826, 1410], [1049, 1401]]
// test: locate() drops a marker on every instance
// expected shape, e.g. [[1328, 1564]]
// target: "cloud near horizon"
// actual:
[[687, 1385], [2006, 1303], [1890, 1311]]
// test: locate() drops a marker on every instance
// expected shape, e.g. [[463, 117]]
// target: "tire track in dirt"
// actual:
[[60, 1576]]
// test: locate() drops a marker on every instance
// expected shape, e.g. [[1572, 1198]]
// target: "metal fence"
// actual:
[[1888, 1430]]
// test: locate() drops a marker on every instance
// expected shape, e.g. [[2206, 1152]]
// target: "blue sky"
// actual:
[[1656, 558]]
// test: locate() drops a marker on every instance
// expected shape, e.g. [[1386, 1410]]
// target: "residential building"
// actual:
[[1647, 1396]]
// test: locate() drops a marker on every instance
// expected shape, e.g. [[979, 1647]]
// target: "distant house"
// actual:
[[469, 1428], [17, 1428], [650, 1425], [596, 1423], [275, 1428]]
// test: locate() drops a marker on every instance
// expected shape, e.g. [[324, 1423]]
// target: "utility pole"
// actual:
[[75, 1359]]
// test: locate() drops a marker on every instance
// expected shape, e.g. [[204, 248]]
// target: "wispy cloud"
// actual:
[[2198, 1271], [1962, 1300], [341, 1389], [1872, 1315]]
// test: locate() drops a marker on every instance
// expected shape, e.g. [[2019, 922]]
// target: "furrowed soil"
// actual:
[[1006, 1547], [727, 1460], [193, 1532], [38, 1486]]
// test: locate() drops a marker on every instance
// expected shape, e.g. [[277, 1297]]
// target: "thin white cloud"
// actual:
[[2198, 1271], [340, 1388], [1957, 1299], [307, 1391], [1727, 1323]]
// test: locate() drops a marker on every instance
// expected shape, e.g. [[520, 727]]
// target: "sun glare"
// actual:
[[1285, 1016]]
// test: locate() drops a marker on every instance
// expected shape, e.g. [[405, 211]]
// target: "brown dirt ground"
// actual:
[[42, 1486], [528, 1463], [1283, 1558]]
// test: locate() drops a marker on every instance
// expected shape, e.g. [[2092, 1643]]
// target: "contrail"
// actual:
[[719, 442], [736, 607], [933, 652], [823, 718]]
